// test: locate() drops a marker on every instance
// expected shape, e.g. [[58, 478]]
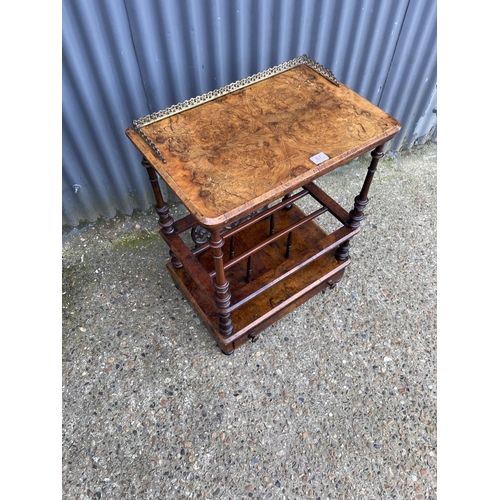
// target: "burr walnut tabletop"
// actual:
[[231, 155], [241, 159]]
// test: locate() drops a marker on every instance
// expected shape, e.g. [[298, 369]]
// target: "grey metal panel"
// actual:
[[411, 87], [123, 59], [102, 94]]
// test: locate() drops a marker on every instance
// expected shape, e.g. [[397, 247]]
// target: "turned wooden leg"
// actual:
[[360, 202], [222, 293], [288, 195], [165, 219], [343, 251]]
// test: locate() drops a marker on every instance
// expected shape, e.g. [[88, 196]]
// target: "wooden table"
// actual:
[[240, 158]]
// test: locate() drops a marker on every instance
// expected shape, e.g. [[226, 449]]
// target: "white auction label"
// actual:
[[319, 158]]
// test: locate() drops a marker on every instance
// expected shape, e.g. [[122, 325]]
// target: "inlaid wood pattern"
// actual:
[[230, 156]]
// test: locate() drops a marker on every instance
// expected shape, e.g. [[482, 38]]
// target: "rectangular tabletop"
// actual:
[[228, 156]]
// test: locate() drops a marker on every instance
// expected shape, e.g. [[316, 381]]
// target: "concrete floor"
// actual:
[[335, 400]]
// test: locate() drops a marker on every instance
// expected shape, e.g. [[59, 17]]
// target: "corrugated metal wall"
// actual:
[[123, 59]]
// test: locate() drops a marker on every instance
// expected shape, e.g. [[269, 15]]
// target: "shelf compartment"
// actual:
[[280, 283]]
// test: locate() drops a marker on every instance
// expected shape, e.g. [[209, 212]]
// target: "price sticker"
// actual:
[[319, 158]]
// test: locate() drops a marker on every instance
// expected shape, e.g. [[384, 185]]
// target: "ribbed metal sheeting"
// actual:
[[124, 59]]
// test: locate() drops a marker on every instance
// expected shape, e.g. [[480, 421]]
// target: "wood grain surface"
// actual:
[[230, 156]]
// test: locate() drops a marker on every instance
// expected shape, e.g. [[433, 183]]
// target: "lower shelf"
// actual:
[[271, 292]]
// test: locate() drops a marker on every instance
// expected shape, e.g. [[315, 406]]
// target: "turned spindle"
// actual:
[[222, 295]]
